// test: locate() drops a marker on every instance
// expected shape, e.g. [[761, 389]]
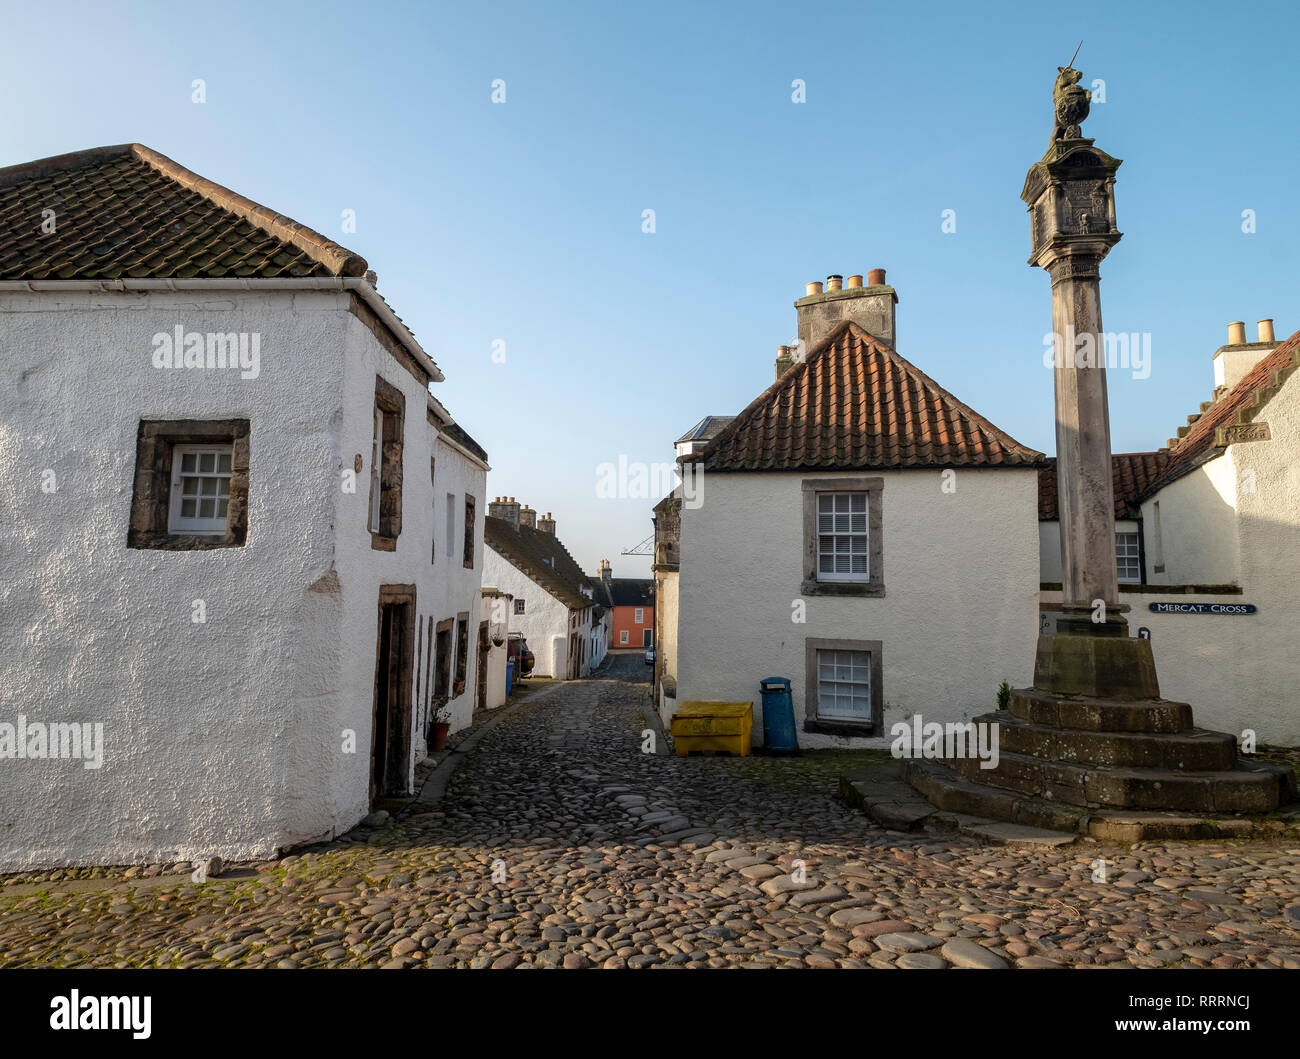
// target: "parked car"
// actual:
[[517, 650], [649, 656]]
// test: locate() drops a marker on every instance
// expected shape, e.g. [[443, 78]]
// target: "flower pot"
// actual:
[[440, 730]]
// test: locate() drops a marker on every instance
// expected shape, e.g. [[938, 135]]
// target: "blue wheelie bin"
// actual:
[[778, 717]]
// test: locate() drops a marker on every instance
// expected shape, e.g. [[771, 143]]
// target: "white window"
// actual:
[[638, 617], [1126, 558], [842, 537], [451, 524], [622, 636], [376, 466], [200, 489], [844, 685], [519, 605]]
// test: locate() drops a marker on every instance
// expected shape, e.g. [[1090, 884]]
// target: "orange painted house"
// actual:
[[634, 611]]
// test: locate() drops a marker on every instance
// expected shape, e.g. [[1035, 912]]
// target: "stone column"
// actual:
[[1070, 194], [1085, 489]]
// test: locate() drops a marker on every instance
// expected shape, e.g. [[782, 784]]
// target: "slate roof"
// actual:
[[1205, 439], [602, 596], [633, 591], [1133, 473], [706, 428], [541, 557], [462, 438], [127, 212], [855, 403]]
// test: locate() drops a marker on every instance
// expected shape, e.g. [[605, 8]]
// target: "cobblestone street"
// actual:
[[605, 856]]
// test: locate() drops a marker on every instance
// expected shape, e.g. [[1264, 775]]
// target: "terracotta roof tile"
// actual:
[[854, 403], [1239, 405], [128, 212], [1132, 472]]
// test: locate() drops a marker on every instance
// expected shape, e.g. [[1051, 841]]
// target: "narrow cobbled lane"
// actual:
[[560, 842]]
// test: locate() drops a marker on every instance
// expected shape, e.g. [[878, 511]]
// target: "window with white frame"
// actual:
[[200, 489], [844, 685], [638, 616], [1127, 558], [842, 553], [519, 605], [622, 636]]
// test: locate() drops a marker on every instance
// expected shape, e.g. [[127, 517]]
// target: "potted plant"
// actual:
[[441, 726]]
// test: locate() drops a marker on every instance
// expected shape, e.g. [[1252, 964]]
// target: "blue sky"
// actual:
[[522, 222]]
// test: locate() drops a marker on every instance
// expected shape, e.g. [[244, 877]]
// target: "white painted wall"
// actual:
[[666, 649], [960, 614], [544, 617], [1198, 526], [224, 737], [444, 587], [496, 612]]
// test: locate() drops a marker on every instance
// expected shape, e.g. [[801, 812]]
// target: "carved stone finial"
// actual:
[[1071, 104]]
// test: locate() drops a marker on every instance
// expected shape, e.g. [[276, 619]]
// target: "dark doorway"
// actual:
[[390, 744], [480, 681], [647, 637]]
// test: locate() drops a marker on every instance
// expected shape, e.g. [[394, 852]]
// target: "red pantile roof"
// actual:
[[854, 403], [1133, 473], [1205, 438], [127, 212]]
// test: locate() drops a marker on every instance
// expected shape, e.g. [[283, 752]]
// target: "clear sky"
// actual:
[[521, 222]]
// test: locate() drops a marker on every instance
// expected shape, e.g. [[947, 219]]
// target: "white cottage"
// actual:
[[242, 543], [860, 531], [1208, 544], [554, 605]]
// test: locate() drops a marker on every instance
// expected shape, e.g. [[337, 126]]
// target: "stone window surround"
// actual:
[[838, 725], [392, 403], [874, 487], [156, 440], [442, 662], [403, 595], [462, 653], [469, 532]]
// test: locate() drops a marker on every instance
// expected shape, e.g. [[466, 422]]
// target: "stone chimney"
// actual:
[[527, 516], [606, 572], [784, 360], [821, 311], [505, 508], [1232, 361], [547, 524]]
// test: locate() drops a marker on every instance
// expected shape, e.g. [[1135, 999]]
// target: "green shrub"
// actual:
[[1004, 695]]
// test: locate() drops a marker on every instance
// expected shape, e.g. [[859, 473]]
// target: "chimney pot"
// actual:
[[876, 277], [834, 282], [853, 282], [812, 288], [1266, 330], [1237, 333]]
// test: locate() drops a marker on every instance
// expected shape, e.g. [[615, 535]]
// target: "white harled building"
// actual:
[[242, 540]]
